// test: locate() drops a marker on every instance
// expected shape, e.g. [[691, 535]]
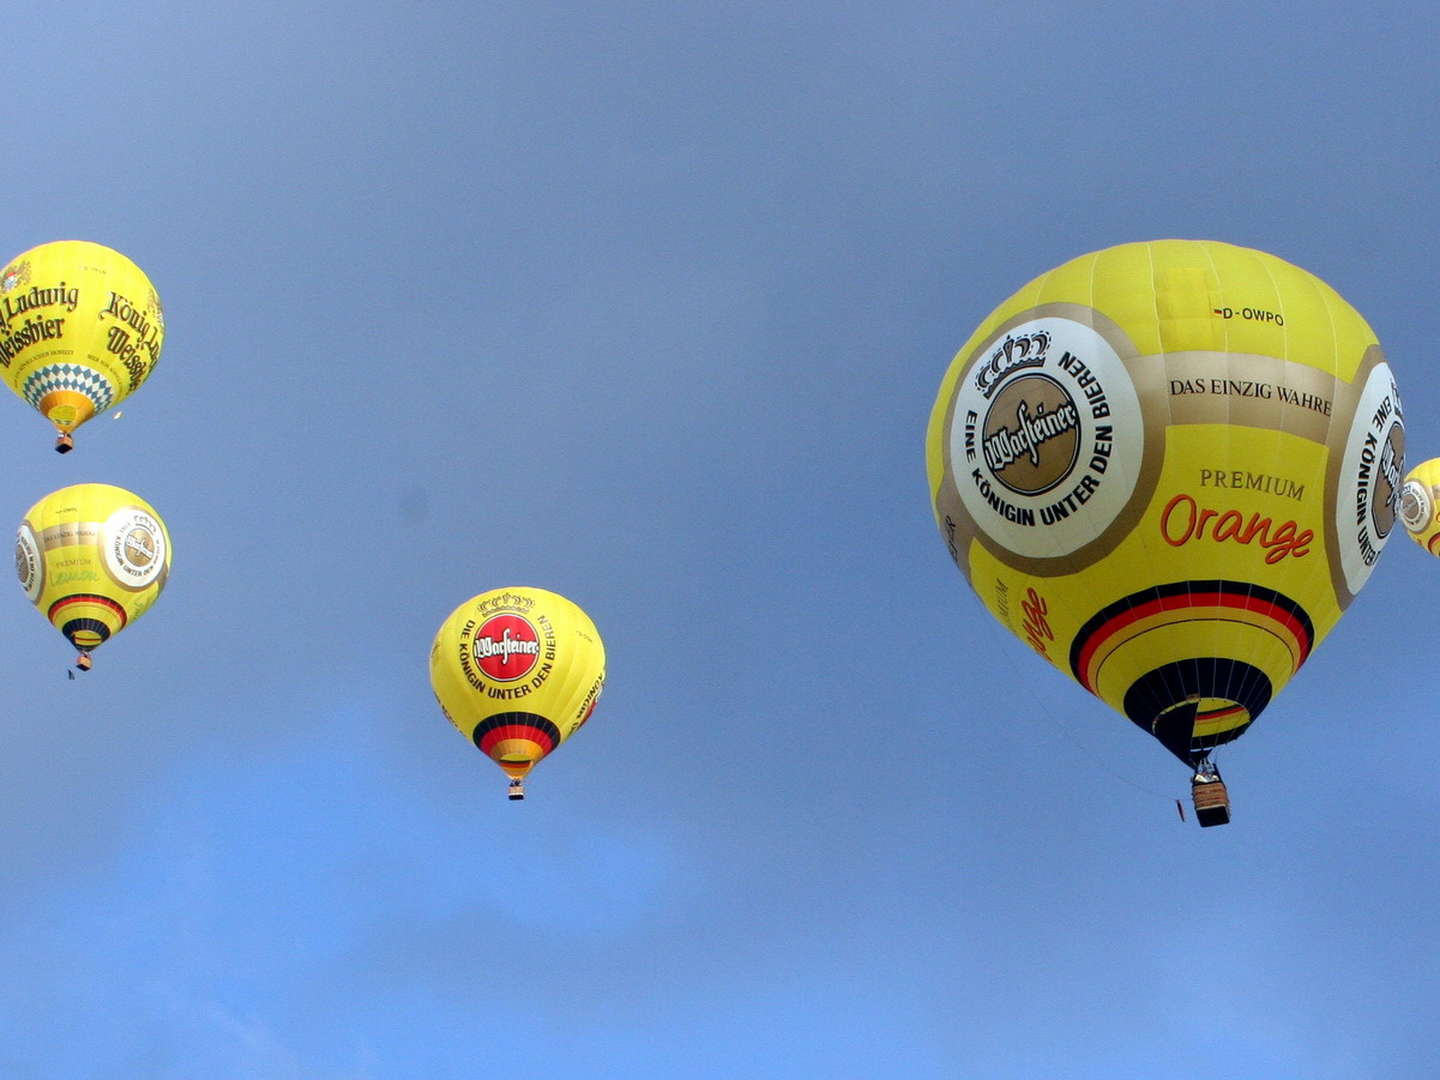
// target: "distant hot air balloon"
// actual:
[[80, 328], [1420, 505], [1169, 467], [517, 671], [93, 558]]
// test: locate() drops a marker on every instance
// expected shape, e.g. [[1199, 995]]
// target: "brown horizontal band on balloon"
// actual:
[[1249, 390], [70, 534]]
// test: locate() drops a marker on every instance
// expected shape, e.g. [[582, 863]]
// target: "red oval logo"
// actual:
[[506, 647]]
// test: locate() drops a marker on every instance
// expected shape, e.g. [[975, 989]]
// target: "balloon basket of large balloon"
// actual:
[[516, 792], [1212, 801], [64, 443], [83, 661]]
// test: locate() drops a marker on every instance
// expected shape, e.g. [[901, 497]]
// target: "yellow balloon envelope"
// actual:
[[1420, 505], [80, 329], [517, 671], [1168, 467], [92, 558]]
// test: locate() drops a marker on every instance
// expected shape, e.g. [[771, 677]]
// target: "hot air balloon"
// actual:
[[93, 558], [517, 671], [80, 329], [1420, 505], [1169, 467]]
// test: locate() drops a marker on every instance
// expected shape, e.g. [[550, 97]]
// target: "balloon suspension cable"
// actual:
[[64, 443], [82, 661], [517, 790]]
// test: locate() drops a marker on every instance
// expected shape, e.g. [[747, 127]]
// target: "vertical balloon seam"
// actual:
[[1320, 291], [1155, 591], [1248, 683], [1095, 302], [575, 680], [1328, 297], [1278, 435], [570, 699], [1043, 281], [563, 694], [1248, 673], [1216, 627], [1290, 576], [1135, 600]]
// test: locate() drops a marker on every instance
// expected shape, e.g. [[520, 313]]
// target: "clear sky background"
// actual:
[[647, 303]]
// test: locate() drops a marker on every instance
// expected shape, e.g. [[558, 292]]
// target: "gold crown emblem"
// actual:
[[1013, 354], [505, 601]]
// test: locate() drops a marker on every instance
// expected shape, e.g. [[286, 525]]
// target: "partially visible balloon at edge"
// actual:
[[1420, 505]]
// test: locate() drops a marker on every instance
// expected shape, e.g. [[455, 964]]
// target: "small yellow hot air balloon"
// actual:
[[1420, 505], [517, 671], [80, 329], [92, 558]]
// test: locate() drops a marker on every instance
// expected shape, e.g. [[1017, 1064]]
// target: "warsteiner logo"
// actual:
[[1046, 437], [1031, 434], [504, 654], [1415, 506], [1388, 483], [29, 567], [134, 548], [137, 546], [506, 647], [1371, 472]]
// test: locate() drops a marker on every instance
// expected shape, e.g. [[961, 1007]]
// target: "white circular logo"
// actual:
[[1416, 506], [29, 566], [134, 546], [1370, 477], [1046, 438]]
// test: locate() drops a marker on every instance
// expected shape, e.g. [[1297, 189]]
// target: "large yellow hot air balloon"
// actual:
[[1420, 505], [1169, 467], [517, 671], [92, 558], [80, 328]]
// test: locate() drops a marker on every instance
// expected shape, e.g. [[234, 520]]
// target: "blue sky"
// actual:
[[648, 305]]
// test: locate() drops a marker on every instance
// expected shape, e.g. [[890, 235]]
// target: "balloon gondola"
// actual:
[[1169, 467]]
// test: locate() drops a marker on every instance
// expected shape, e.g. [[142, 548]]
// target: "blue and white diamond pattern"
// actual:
[[85, 380]]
